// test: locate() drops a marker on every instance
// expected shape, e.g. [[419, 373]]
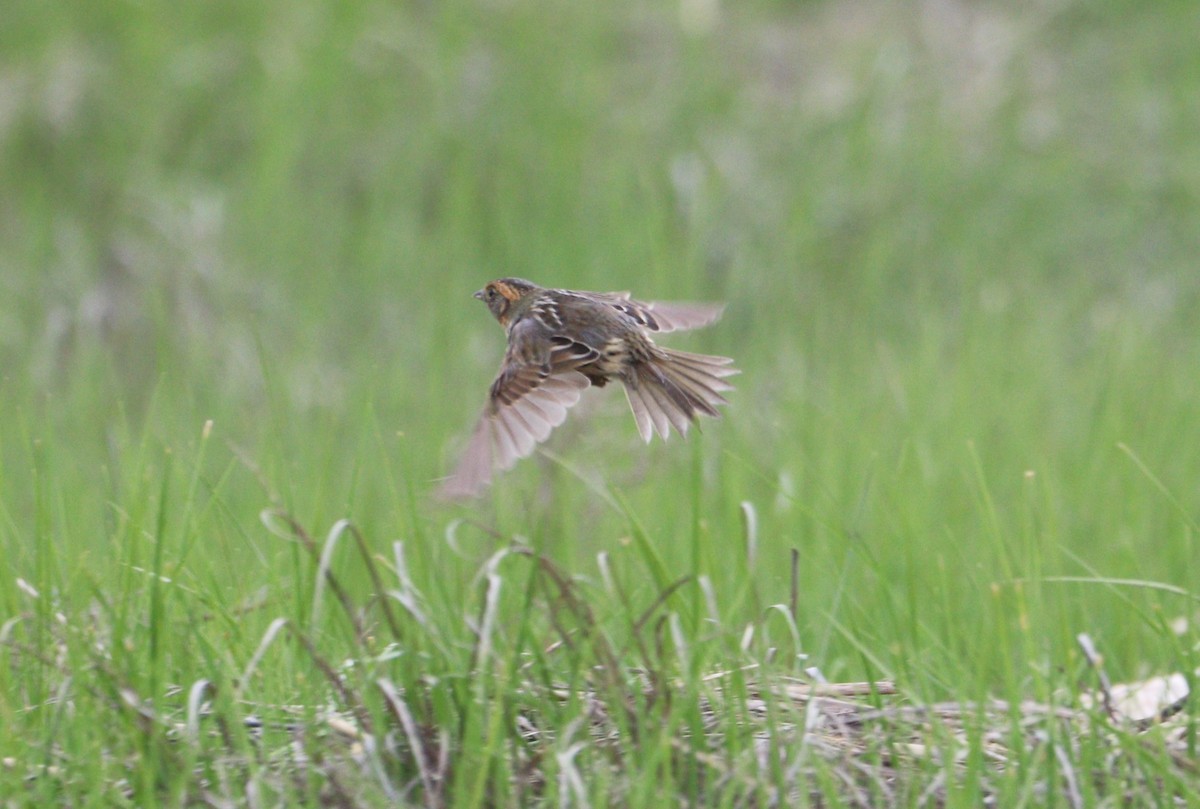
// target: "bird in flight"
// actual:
[[562, 341]]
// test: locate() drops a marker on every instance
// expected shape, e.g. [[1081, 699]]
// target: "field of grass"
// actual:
[[238, 243]]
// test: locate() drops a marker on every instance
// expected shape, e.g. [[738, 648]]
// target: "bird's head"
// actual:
[[501, 295]]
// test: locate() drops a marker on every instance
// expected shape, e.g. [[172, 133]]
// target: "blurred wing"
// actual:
[[666, 317], [527, 402], [661, 316], [508, 432]]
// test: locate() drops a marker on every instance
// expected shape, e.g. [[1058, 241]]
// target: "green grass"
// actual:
[[237, 347]]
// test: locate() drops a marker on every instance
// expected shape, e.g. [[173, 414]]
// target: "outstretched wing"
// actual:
[[662, 316], [536, 386]]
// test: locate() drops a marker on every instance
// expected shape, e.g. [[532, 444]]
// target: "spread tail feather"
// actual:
[[674, 388]]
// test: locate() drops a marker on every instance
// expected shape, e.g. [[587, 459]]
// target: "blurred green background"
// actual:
[[958, 239]]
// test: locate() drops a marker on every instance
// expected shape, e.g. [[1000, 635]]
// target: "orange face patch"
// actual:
[[506, 290]]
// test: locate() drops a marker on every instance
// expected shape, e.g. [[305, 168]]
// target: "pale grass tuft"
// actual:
[[750, 532], [195, 703], [268, 638], [327, 551]]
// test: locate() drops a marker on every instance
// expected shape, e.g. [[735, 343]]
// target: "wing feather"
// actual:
[[666, 317], [528, 400], [660, 316]]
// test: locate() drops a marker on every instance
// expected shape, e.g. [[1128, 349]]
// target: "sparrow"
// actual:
[[561, 342]]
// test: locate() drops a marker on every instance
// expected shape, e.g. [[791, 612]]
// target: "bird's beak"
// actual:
[[479, 295]]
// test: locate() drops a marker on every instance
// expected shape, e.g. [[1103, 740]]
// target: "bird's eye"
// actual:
[[491, 294]]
